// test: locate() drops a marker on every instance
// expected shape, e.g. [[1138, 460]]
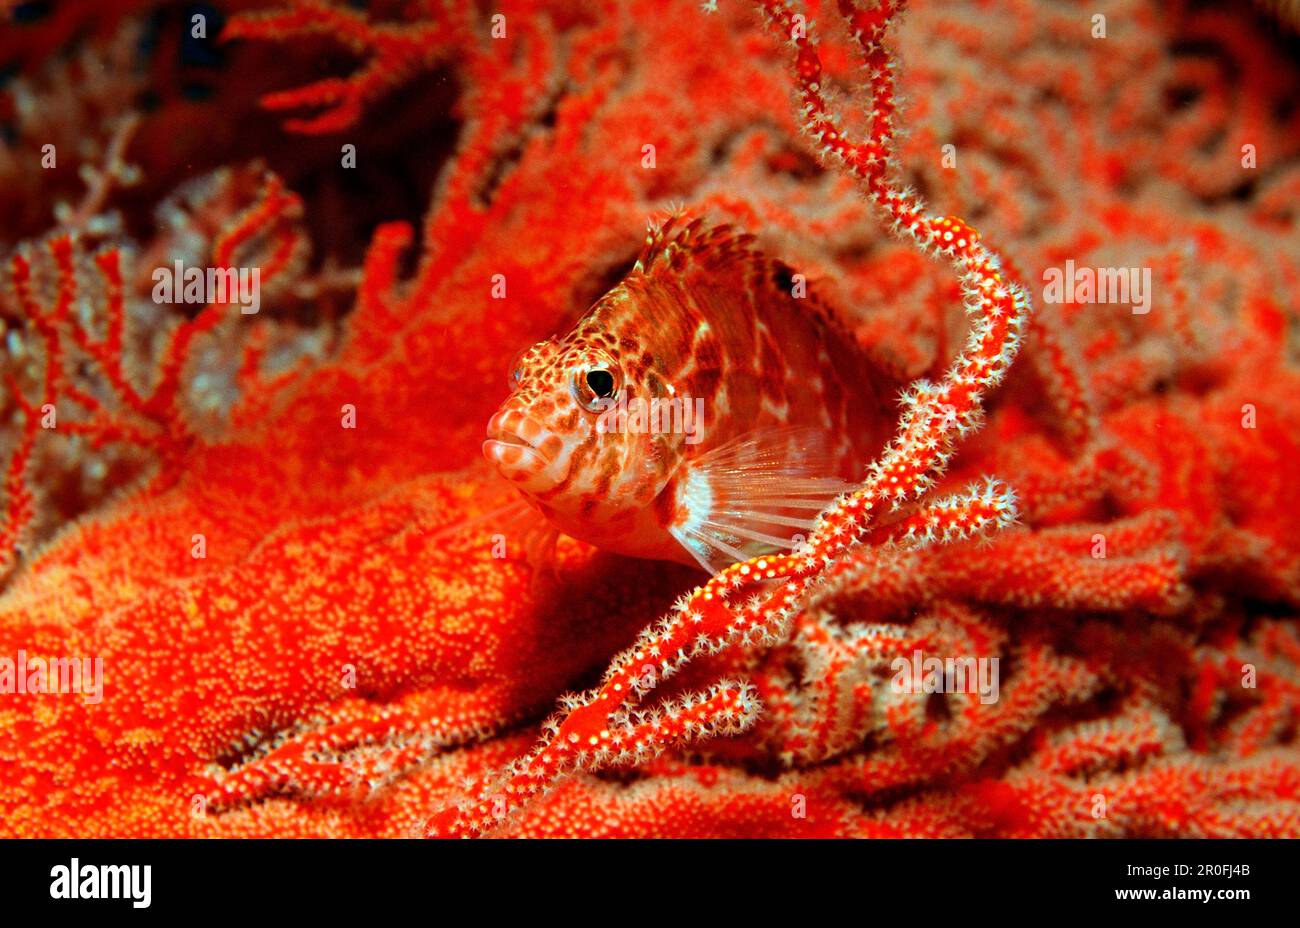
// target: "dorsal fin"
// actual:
[[681, 242]]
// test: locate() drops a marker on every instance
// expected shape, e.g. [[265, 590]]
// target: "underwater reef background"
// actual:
[[303, 626]]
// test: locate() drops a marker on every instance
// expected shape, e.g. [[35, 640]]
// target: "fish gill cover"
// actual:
[[267, 268]]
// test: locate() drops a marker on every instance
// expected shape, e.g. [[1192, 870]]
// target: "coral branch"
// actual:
[[258, 221], [115, 410], [395, 51]]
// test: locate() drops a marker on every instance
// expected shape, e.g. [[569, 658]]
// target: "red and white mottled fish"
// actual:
[[764, 408]]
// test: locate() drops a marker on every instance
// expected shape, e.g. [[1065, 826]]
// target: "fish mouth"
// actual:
[[514, 447], [502, 437]]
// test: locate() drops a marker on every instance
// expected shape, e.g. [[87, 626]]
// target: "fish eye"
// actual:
[[601, 382], [594, 387]]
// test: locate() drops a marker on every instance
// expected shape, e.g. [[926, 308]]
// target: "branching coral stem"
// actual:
[[156, 421]]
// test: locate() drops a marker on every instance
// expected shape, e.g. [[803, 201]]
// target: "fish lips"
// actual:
[[514, 447]]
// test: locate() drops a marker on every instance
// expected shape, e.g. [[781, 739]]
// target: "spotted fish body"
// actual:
[[792, 410]]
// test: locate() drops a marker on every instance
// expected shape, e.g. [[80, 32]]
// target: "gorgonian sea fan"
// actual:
[[275, 531]]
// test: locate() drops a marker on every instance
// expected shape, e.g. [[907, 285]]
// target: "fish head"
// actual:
[[552, 436]]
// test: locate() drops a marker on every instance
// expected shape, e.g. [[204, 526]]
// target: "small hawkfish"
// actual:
[[704, 410]]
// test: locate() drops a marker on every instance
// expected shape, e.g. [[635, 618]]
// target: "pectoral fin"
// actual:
[[758, 493]]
